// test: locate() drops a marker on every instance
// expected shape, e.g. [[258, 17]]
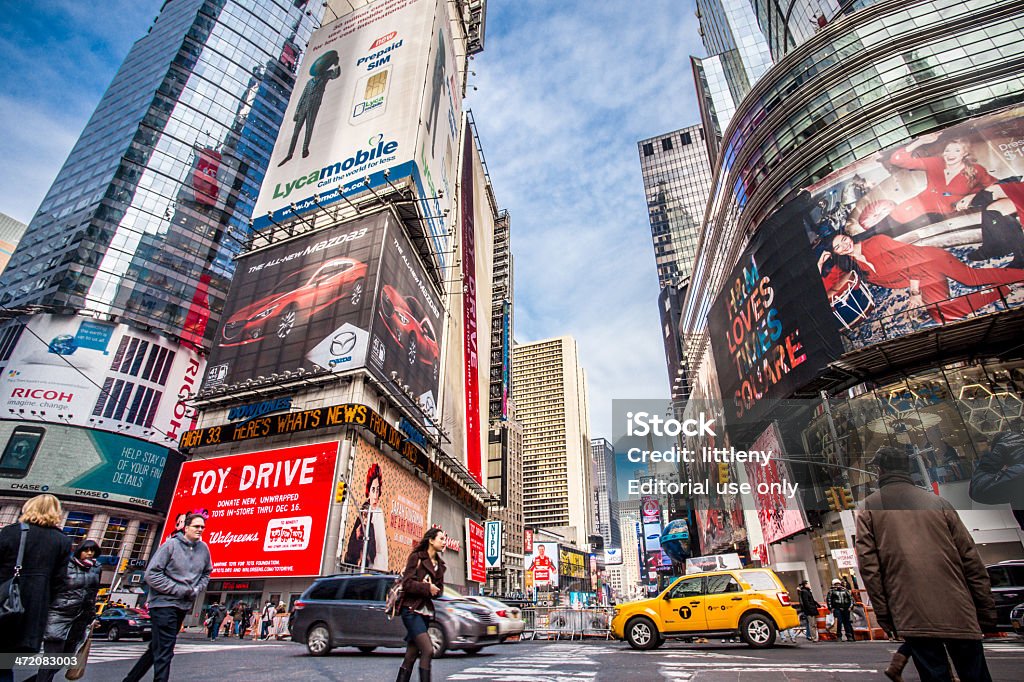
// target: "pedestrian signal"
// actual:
[[723, 472], [834, 503], [339, 492], [846, 498]]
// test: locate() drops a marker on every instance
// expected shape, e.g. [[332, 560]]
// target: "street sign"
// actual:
[[492, 544]]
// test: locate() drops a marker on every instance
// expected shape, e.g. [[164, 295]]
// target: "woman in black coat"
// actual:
[[42, 572], [422, 579], [74, 607]]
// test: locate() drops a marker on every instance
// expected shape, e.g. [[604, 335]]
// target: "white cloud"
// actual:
[[564, 94]]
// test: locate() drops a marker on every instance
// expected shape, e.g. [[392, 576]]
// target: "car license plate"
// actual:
[[492, 629]]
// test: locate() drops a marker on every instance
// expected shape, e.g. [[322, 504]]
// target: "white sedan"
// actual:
[[510, 621]]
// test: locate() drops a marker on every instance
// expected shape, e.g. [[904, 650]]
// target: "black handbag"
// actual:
[[11, 606]]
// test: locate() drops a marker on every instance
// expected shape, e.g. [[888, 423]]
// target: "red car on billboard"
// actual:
[[410, 327], [296, 299]]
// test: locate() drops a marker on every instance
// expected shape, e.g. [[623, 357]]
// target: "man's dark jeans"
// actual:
[[166, 622], [843, 622], [930, 659]]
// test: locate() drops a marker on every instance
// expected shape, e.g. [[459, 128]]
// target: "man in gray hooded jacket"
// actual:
[[178, 571]]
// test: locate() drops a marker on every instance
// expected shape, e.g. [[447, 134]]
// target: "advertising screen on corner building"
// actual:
[[770, 333], [376, 92]]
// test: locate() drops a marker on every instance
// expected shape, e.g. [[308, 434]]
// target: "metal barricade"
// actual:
[[563, 622]]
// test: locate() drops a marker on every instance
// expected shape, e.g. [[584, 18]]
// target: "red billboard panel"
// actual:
[[266, 511], [475, 556], [474, 457]]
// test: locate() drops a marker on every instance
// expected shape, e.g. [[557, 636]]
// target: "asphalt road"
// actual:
[[539, 661]]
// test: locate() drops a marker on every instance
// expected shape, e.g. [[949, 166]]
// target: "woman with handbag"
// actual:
[[34, 544], [73, 609], [422, 579]]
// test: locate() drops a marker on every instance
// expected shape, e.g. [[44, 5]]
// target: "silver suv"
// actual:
[[348, 610]]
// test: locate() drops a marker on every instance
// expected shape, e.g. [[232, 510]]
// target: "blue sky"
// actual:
[[563, 91]]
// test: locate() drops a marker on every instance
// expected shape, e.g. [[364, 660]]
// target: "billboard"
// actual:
[[37, 458], [542, 564], [391, 515], [922, 234], [768, 334], [492, 544], [572, 563], [350, 296], [266, 511], [470, 357], [475, 569], [80, 371], [779, 516], [612, 556], [376, 102]]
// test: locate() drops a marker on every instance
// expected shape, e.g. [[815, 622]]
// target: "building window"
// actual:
[[111, 543], [666, 144], [77, 526], [686, 138], [141, 544], [648, 149]]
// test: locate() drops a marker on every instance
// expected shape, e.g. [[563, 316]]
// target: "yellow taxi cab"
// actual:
[[750, 602]]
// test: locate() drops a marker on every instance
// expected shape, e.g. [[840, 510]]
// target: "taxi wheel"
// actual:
[[758, 630], [642, 634]]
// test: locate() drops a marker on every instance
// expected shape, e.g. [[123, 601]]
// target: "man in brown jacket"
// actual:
[[923, 573]]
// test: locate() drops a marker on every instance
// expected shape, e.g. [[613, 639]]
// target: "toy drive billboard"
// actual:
[[387, 512], [266, 512], [83, 372], [106, 467], [376, 93], [337, 299], [780, 516]]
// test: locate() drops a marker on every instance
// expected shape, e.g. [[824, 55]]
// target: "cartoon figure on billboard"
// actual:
[[370, 536], [543, 569], [323, 70]]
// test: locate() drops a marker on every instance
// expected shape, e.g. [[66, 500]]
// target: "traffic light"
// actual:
[[339, 492], [723, 472], [834, 504], [123, 566], [846, 498]]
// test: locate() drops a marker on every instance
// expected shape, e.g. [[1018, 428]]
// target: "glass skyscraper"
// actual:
[[145, 216]]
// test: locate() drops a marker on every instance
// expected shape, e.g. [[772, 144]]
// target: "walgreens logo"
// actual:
[[383, 39]]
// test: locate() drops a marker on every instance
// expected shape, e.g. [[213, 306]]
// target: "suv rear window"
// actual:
[[325, 589], [362, 589], [761, 581]]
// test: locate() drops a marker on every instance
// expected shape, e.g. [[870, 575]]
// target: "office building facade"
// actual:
[[123, 270], [606, 495], [829, 148], [550, 393]]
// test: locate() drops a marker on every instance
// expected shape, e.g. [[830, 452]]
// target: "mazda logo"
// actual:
[[343, 343]]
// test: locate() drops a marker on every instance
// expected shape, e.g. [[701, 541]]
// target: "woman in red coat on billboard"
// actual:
[[952, 181], [925, 270]]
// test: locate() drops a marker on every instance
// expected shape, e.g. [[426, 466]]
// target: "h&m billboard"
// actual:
[[351, 296], [923, 234], [377, 99], [266, 512], [83, 372], [389, 515]]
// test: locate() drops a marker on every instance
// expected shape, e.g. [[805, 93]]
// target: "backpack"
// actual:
[[393, 602], [841, 599]]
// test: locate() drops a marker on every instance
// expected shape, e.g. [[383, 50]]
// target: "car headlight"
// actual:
[[615, 612], [264, 313]]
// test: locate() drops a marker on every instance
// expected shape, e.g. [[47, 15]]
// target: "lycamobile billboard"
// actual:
[[377, 103]]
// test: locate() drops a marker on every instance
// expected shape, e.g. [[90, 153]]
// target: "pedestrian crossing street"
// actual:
[[552, 663], [107, 652]]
